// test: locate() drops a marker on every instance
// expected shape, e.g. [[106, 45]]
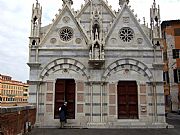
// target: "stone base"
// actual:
[[97, 125], [123, 124]]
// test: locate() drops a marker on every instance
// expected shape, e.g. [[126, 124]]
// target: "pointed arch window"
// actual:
[[35, 20]]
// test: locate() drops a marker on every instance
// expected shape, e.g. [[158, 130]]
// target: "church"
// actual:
[[105, 64]]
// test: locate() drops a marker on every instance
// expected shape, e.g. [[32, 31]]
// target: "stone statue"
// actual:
[[96, 52], [90, 55]]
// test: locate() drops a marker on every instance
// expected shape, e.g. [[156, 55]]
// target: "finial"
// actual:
[[121, 2], [70, 2], [144, 20], [154, 3], [37, 4]]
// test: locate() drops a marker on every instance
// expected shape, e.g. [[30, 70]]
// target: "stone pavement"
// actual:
[[172, 119]]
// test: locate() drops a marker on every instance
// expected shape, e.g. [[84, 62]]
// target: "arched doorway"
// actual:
[[127, 97], [65, 91]]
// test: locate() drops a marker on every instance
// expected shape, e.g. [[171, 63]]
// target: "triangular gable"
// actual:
[[133, 18], [59, 17], [83, 9], [108, 9], [89, 4]]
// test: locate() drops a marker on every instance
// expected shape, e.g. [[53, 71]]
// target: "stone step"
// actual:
[[138, 125], [74, 125], [97, 125]]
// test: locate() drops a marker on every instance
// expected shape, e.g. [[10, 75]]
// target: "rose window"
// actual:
[[126, 34], [66, 33]]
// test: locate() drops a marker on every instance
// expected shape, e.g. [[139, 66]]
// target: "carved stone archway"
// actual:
[[130, 64], [64, 64]]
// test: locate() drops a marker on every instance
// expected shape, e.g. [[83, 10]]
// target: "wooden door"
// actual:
[[70, 98], [65, 91], [127, 100]]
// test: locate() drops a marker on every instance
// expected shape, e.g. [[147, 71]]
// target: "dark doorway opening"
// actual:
[[127, 100], [65, 91]]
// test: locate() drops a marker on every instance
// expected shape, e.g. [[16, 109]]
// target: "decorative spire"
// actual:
[[144, 20], [155, 12], [155, 23], [154, 3], [36, 21], [121, 2], [37, 4]]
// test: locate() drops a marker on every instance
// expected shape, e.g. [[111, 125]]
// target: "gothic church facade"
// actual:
[[104, 63]]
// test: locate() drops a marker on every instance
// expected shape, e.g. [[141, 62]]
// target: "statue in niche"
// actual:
[[96, 52], [96, 31], [102, 55], [96, 35], [90, 54]]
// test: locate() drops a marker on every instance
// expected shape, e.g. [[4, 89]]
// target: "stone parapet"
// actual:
[[17, 119], [4, 110]]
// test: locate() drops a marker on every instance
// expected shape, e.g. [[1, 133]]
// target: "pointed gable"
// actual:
[[84, 14], [65, 30], [87, 7], [127, 32]]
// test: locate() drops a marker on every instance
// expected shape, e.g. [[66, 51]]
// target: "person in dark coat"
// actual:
[[63, 114]]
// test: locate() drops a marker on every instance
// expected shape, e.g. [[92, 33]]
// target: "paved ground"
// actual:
[[172, 119]]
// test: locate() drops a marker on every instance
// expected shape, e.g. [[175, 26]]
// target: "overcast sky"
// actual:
[[15, 27]]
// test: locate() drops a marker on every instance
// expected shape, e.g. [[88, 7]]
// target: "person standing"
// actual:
[[63, 114]]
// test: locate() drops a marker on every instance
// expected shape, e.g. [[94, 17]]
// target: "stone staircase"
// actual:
[[137, 125], [124, 124], [117, 125]]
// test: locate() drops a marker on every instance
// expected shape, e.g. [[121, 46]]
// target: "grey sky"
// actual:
[[15, 27]]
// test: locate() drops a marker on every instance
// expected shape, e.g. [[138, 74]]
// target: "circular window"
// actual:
[[66, 33], [126, 34], [66, 19], [53, 40], [78, 40]]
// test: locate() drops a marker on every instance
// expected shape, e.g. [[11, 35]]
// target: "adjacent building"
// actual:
[[104, 63], [12, 91], [171, 75]]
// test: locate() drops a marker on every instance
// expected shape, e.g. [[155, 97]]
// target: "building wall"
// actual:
[[171, 42], [96, 92], [11, 90], [17, 120], [25, 92]]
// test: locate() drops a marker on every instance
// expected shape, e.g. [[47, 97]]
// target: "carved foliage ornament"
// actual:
[[126, 19]]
